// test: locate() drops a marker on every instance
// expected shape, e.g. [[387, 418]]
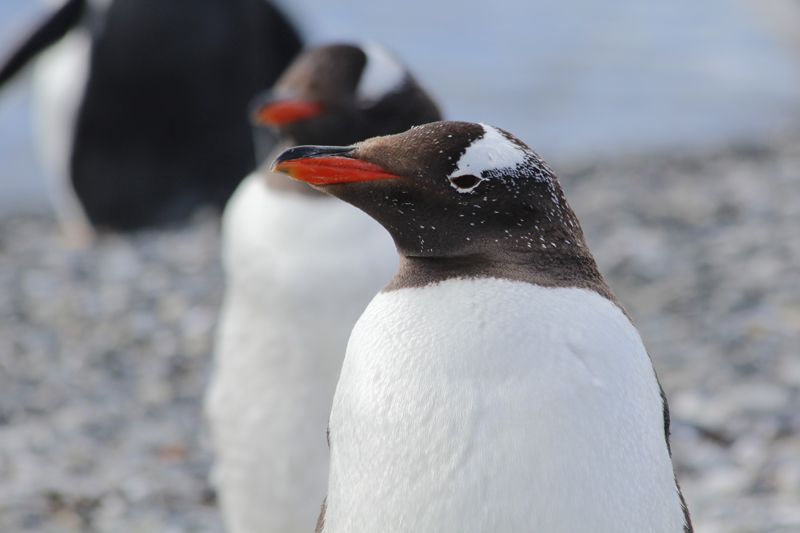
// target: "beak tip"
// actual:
[[274, 167], [282, 163], [325, 165]]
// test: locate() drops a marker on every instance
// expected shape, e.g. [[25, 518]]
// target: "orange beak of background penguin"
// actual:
[[327, 165], [281, 112]]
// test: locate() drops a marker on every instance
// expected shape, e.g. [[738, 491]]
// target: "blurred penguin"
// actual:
[[300, 268], [140, 106]]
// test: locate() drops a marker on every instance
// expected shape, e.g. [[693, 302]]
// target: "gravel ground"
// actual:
[[104, 353], [704, 252]]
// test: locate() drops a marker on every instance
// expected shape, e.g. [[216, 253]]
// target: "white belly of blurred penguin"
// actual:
[[300, 271], [59, 81]]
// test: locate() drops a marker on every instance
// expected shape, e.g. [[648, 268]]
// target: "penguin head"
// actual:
[[341, 93], [447, 189]]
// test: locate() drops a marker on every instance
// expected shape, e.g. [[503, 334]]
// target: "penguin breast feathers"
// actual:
[[540, 404]]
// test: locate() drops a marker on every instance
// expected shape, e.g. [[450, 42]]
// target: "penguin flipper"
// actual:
[[321, 520], [53, 29]]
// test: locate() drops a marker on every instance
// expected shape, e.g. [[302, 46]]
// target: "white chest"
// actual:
[[59, 83], [304, 254], [300, 271], [488, 405]]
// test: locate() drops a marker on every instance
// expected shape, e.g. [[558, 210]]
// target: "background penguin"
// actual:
[[300, 269], [141, 106], [495, 384]]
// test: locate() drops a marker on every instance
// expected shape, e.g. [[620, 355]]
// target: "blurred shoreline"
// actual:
[[576, 80]]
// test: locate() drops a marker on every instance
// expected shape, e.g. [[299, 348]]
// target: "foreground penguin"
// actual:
[[300, 269], [141, 105], [495, 384]]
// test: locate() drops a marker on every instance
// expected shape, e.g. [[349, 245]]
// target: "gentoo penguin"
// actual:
[[496, 383], [300, 267], [141, 105]]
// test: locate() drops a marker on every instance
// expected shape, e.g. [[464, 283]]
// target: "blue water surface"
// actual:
[[573, 79]]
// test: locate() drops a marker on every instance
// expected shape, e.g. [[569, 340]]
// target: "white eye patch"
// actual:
[[493, 151], [465, 182], [382, 74]]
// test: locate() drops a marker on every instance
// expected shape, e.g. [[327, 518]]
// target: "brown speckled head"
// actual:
[[345, 93], [460, 200]]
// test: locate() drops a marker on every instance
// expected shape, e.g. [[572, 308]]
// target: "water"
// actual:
[[573, 79], [587, 77]]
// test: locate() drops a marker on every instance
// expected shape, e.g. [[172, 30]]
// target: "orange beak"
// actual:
[[281, 112], [327, 165]]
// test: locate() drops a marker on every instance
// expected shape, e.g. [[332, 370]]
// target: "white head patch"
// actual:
[[493, 151], [382, 74]]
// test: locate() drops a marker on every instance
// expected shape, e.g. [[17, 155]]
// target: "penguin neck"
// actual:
[[545, 269]]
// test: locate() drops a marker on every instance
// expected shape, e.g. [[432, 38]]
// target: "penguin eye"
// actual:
[[465, 182]]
